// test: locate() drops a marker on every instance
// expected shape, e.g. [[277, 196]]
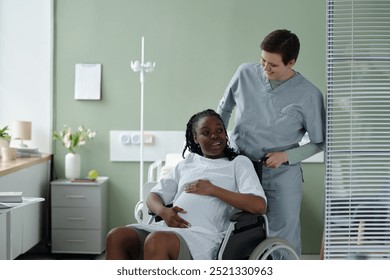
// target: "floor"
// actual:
[[310, 257], [42, 252], [49, 256]]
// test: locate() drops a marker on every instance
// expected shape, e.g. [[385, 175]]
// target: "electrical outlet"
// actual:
[[125, 139]]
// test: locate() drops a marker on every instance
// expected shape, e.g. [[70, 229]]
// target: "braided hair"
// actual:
[[193, 147]]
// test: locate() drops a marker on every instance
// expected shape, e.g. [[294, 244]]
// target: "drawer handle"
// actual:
[[75, 241], [75, 196], [75, 219]]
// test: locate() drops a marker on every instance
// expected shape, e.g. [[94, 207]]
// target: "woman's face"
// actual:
[[210, 135], [274, 67]]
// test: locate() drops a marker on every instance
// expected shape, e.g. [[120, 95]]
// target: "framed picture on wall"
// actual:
[[88, 81]]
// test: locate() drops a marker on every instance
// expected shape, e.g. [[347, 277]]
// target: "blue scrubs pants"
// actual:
[[283, 188]]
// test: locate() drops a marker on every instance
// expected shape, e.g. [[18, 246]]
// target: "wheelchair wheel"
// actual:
[[274, 248]]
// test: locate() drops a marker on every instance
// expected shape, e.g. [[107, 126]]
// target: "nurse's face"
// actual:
[[274, 68], [211, 136]]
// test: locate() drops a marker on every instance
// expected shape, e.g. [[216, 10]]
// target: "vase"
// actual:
[[72, 166], [4, 143]]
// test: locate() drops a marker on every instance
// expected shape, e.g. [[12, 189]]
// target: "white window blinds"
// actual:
[[357, 185]]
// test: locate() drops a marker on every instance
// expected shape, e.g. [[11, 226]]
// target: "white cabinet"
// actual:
[[79, 216], [26, 224], [19, 227]]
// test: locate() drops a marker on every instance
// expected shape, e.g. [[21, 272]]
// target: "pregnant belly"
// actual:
[[204, 211]]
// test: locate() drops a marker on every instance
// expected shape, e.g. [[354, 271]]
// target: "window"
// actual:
[[357, 184]]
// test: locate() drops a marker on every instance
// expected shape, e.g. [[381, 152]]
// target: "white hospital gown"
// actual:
[[208, 216]]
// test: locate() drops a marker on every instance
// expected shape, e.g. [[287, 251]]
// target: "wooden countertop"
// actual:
[[7, 167]]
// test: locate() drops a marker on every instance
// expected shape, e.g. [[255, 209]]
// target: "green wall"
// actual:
[[197, 46]]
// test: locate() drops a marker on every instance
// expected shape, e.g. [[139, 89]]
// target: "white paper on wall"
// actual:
[[88, 81]]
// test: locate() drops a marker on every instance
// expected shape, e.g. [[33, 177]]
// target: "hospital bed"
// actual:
[[247, 235]]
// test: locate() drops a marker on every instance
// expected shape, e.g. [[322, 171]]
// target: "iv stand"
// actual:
[[142, 68]]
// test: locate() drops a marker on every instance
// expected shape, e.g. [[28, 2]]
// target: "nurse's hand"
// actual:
[[172, 219], [275, 159]]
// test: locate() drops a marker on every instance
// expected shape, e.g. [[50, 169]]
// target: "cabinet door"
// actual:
[[16, 232], [25, 227], [3, 236], [32, 225]]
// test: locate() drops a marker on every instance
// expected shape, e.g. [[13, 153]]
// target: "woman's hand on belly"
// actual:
[[201, 187], [172, 219]]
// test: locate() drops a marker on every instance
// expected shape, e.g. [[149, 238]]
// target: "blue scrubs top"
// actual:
[[269, 119]]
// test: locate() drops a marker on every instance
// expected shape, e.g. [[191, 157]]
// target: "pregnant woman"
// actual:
[[210, 184]]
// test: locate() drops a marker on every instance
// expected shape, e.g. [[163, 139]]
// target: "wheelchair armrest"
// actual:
[[244, 220], [243, 215], [156, 217]]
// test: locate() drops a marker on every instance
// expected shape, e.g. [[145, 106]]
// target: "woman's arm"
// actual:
[[168, 214], [247, 202], [304, 152], [275, 159]]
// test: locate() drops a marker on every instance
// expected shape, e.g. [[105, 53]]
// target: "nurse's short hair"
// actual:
[[283, 42]]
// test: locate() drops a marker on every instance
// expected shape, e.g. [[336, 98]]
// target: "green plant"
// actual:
[[4, 134], [73, 140]]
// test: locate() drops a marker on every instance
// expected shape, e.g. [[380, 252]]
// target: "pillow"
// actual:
[[171, 160]]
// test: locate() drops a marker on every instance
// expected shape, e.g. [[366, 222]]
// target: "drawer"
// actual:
[[76, 218], [78, 241], [75, 196]]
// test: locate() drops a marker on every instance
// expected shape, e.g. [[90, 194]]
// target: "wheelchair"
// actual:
[[246, 238]]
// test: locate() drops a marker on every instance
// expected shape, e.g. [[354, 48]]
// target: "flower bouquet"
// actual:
[[72, 141]]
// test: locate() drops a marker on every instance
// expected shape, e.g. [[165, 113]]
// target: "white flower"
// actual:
[[73, 141]]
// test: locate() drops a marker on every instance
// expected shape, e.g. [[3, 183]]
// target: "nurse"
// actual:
[[275, 106]]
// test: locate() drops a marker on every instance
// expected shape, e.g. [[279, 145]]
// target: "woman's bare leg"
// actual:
[[162, 245], [122, 243]]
